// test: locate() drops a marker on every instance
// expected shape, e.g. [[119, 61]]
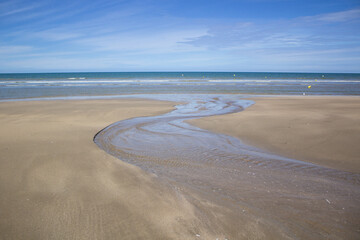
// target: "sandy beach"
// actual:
[[56, 183], [318, 129], [180, 120]]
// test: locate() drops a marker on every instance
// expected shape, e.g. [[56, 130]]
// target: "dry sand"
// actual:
[[318, 129], [55, 183]]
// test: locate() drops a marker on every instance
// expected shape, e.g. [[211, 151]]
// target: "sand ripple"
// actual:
[[254, 189]]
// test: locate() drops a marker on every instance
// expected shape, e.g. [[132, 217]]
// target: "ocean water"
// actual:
[[31, 85]]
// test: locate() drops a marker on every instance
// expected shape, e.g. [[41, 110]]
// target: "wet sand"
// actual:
[[240, 192], [55, 183], [318, 129]]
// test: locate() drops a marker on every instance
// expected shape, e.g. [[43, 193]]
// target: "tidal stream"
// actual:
[[260, 191]]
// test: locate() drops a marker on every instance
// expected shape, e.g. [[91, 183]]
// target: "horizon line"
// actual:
[[56, 72]]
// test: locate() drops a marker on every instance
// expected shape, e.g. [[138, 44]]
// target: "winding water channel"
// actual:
[[290, 198]]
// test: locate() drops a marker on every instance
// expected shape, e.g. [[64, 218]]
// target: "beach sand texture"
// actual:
[[55, 183], [318, 129]]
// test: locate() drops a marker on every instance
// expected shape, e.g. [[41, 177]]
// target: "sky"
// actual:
[[179, 35]]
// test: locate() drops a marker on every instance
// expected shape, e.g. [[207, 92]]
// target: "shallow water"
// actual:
[[33, 85], [293, 199]]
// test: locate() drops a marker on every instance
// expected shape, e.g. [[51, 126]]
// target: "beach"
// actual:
[[180, 120], [56, 183], [319, 129]]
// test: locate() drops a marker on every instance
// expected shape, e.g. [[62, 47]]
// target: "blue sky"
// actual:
[[180, 35]]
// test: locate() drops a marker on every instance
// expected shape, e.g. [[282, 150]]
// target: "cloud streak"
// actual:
[[131, 35], [343, 16]]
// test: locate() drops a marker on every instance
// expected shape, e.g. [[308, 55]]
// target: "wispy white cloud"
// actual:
[[103, 35], [56, 35], [15, 11], [166, 41], [14, 49], [343, 16], [284, 34], [18, 9]]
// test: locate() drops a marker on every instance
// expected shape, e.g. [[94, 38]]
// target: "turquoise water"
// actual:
[[29, 85]]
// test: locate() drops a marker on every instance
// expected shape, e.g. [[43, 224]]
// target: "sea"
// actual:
[[35, 85]]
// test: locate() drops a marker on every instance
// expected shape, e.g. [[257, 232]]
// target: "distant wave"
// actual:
[[77, 81], [282, 80], [193, 81]]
